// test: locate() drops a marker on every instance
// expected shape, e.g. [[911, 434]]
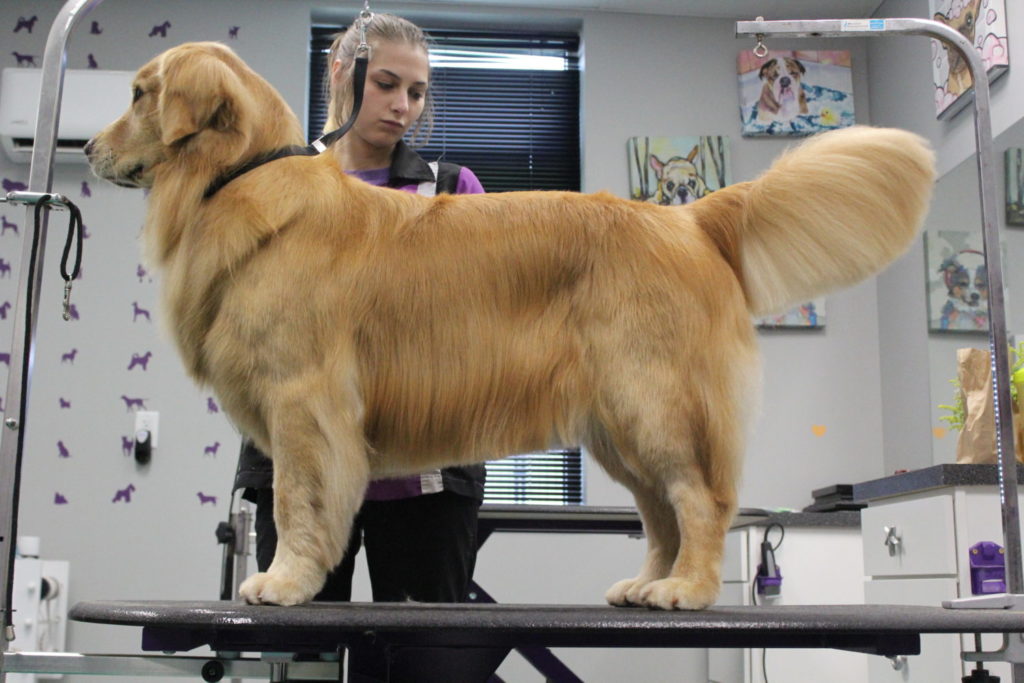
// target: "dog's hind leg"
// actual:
[[704, 514], [657, 516], [701, 487], [679, 447], [320, 476]]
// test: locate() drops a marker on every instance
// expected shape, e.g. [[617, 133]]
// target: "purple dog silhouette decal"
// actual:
[[136, 403], [125, 494]]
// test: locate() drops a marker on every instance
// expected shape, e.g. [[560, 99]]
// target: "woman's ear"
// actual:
[[335, 73]]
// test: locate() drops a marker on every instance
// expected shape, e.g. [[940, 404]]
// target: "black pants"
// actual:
[[421, 549]]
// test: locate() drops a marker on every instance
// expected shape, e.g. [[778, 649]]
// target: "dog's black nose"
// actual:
[[784, 81]]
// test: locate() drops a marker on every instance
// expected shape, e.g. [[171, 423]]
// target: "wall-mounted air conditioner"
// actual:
[[91, 99]]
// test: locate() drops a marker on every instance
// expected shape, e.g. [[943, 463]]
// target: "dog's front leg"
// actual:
[[320, 475]]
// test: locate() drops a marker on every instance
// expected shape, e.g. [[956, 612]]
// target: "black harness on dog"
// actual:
[[314, 148]]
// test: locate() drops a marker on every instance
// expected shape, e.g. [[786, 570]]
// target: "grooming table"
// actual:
[[326, 628]]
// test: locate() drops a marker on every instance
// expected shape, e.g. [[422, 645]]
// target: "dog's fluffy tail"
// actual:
[[829, 213]]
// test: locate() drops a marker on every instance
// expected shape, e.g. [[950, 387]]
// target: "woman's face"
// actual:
[[395, 93]]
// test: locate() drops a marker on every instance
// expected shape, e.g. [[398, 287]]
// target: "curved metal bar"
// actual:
[[998, 338], [26, 304]]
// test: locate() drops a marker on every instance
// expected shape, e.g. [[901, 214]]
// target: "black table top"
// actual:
[[881, 629]]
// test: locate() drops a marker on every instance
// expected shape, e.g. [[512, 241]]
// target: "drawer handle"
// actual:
[[898, 662], [893, 540]]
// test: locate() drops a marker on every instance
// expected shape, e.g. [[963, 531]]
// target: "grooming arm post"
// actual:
[[998, 342], [26, 304]]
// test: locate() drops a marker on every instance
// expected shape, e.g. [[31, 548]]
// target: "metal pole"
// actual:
[[26, 304], [998, 342]]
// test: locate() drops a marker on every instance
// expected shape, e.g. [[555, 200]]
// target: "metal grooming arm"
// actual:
[[1013, 649], [26, 305]]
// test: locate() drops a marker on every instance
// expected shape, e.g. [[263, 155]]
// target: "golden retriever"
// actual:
[[356, 332]]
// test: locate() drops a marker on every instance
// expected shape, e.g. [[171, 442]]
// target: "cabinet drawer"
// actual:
[[910, 538], [939, 661]]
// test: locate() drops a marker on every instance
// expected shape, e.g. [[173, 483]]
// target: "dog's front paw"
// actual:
[[625, 593], [275, 589], [678, 593]]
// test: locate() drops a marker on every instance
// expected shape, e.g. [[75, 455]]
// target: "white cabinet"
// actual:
[[819, 565], [910, 538], [916, 550]]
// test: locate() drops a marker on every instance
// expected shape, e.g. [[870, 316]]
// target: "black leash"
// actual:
[[312, 149], [74, 235]]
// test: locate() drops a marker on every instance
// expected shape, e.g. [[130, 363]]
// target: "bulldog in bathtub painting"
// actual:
[[795, 92]]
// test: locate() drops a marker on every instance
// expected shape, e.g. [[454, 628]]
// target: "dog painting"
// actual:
[[799, 92], [356, 332], [677, 170], [957, 282], [808, 315], [983, 23]]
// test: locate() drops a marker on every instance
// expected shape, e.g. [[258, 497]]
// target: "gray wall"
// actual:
[[917, 365], [644, 75]]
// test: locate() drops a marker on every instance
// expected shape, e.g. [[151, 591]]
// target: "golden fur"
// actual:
[[354, 331]]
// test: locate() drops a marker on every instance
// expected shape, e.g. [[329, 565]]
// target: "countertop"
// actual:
[[929, 478]]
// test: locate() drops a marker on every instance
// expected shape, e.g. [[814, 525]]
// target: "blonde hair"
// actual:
[[381, 28]]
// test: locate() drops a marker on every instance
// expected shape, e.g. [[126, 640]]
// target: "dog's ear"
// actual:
[[200, 91], [656, 163]]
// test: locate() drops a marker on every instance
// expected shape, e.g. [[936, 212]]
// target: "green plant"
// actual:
[[958, 410]]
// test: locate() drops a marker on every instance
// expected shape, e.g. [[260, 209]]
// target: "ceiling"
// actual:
[[725, 9]]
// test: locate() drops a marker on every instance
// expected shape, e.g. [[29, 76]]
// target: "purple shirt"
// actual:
[[428, 482], [468, 182]]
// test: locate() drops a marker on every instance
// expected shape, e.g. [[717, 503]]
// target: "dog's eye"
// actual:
[[136, 94]]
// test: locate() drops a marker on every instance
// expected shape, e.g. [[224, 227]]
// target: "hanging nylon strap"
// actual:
[[314, 148], [74, 235]]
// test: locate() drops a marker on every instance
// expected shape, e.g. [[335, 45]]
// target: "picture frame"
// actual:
[[795, 92], [810, 316], [955, 281], [1013, 160], [983, 22], [677, 170]]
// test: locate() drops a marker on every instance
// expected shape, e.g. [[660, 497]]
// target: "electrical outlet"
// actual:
[[150, 421]]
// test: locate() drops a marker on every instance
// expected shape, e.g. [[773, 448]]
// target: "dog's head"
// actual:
[[963, 16], [966, 279], [782, 76], [679, 181], [198, 103]]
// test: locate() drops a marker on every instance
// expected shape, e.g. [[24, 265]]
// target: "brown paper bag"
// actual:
[[977, 441]]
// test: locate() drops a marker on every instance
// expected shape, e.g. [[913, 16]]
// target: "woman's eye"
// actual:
[[416, 95], [384, 85]]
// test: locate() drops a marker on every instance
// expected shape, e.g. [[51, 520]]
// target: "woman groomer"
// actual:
[[419, 532]]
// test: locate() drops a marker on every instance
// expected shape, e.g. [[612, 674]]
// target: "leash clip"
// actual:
[[760, 49], [365, 17], [67, 300]]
